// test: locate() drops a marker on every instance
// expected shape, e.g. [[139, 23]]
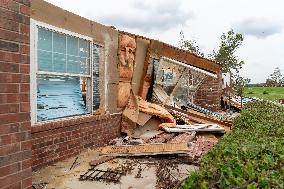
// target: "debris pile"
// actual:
[[156, 134], [201, 146], [171, 131], [165, 177]]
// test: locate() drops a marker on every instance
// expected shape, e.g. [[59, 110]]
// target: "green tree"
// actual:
[[270, 83], [189, 45], [282, 82], [276, 77], [239, 86], [226, 54]]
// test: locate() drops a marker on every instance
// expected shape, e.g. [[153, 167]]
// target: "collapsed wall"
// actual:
[[39, 125], [126, 63], [171, 73]]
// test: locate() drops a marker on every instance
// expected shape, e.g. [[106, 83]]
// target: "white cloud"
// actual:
[[148, 16], [203, 20], [260, 28]]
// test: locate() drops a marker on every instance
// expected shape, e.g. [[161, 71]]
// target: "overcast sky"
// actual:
[[260, 21]]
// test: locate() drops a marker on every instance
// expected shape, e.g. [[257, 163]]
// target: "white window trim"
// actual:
[[34, 66]]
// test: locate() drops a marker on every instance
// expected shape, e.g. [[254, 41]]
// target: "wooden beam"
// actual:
[[145, 149], [189, 58]]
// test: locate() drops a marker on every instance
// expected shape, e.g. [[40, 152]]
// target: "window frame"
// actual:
[[34, 25]]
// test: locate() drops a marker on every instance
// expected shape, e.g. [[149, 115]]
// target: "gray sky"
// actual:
[[261, 22]]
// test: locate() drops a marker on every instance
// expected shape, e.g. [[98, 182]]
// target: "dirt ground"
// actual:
[[144, 173]]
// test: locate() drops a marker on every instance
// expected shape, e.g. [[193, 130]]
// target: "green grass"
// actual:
[[266, 93], [250, 156]]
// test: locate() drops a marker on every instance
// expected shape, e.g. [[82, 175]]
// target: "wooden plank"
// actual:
[[200, 126], [145, 149], [144, 77], [101, 160], [189, 58], [195, 127]]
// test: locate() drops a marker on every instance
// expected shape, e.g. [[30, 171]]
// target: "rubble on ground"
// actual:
[[146, 145], [153, 130], [162, 136]]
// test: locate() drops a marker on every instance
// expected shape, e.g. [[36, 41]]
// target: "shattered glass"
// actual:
[[59, 96], [175, 84]]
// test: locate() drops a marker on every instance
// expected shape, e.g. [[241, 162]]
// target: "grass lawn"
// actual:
[[267, 93]]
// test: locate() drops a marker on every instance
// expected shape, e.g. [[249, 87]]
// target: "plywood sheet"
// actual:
[[140, 55], [195, 127]]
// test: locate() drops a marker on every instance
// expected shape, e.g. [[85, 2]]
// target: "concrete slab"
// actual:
[[143, 174]]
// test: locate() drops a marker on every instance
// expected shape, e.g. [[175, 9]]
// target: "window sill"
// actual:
[[67, 122]]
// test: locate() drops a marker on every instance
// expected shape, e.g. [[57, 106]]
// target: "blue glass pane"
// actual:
[[84, 48], [44, 39], [72, 46], [59, 62], [62, 53], [44, 61], [59, 43], [73, 64], [59, 97]]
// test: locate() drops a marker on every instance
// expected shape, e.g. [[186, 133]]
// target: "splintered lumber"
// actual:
[[145, 149], [195, 127], [101, 160]]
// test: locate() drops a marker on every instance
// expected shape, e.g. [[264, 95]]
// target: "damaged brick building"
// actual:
[[64, 81]]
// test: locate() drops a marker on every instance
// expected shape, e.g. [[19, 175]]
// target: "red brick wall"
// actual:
[[15, 127], [209, 93], [58, 140]]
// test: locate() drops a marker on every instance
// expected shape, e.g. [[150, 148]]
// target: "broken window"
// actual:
[[175, 83], [59, 96], [62, 73]]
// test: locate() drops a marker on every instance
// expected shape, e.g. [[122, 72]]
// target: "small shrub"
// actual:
[[265, 93], [250, 92]]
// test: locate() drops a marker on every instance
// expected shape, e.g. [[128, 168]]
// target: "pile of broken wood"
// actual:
[[152, 130]]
